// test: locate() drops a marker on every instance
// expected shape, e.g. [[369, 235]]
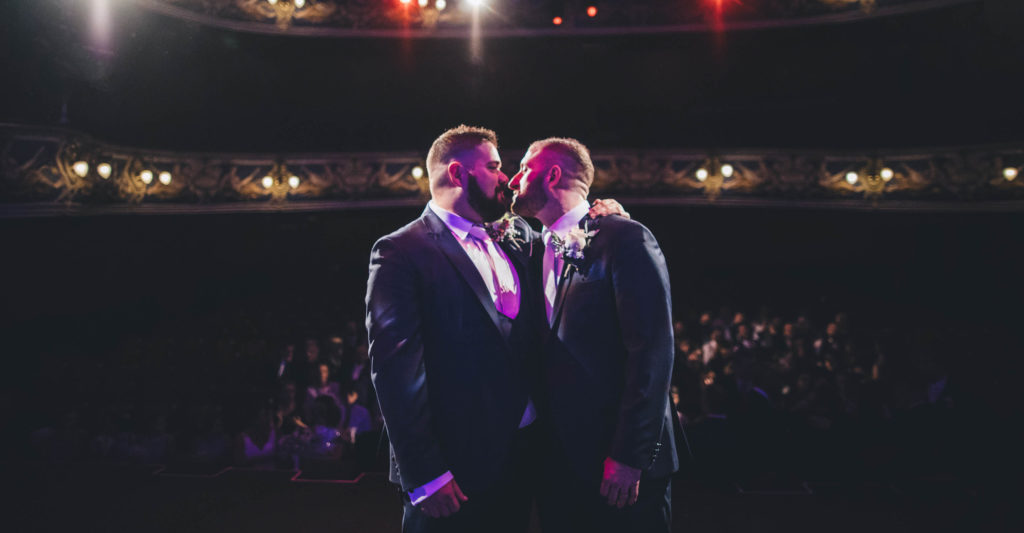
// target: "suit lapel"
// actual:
[[456, 255]]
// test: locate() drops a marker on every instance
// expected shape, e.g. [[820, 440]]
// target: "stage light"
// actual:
[[592, 11], [81, 168], [165, 178], [852, 177], [146, 176], [440, 5], [268, 182], [702, 174], [299, 4], [1010, 173], [423, 3], [417, 172], [886, 174], [293, 182], [557, 21], [406, 2], [272, 2], [476, 3], [104, 170], [727, 170]]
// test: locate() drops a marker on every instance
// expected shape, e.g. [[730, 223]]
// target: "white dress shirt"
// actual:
[[552, 266], [502, 276]]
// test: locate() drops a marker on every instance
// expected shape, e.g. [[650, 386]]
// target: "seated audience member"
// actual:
[[286, 409], [322, 387], [256, 445], [359, 419]]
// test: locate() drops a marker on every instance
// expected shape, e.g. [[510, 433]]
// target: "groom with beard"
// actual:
[[607, 354], [455, 326]]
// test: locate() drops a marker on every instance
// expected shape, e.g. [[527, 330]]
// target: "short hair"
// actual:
[[458, 139], [573, 153]]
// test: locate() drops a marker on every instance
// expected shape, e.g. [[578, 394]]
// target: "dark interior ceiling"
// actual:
[[944, 77]]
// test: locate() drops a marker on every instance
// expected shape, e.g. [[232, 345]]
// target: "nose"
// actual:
[[514, 184]]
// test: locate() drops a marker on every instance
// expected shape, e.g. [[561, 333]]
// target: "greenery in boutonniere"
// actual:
[[504, 230], [574, 245]]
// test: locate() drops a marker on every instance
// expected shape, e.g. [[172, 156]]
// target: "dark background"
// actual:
[[943, 77]]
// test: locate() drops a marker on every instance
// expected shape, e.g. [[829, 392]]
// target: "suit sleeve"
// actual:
[[397, 365], [644, 306]]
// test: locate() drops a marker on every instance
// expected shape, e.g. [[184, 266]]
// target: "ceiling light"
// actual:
[[146, 176], [165, 178], [852, 177], [81, 168]]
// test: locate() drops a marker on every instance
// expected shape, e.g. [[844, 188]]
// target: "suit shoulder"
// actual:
[[404, 236], [619, 227]]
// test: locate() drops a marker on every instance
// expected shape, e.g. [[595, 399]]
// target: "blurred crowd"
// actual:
[[753, 392]]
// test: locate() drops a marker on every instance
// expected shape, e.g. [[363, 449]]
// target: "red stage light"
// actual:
[[557, 21], [592, 11]]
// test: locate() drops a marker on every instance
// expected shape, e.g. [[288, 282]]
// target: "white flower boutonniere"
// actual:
[[574, 245], [504, 230]]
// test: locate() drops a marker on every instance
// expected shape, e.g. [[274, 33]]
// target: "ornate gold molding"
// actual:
[[53, 167]]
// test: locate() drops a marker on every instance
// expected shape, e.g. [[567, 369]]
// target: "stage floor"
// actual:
[[136, 498]]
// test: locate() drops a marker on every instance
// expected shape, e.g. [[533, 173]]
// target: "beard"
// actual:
[[490, 208], [528, 205]]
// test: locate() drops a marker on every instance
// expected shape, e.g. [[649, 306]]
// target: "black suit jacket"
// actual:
[[452, 374], [608, 358]]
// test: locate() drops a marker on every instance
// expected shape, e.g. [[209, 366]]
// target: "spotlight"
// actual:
[[440, 5], [405, 2], [727, 170], [702, 174], [104, 170], [557, 21], [293, 182], [272, 2], [1010, 173], [299, 4], [423, 3], [476, 3], [165, 178], [268, 182], [592, 11], [886, 174], [852, 177], [417, 172], [146, 176], [81, 168]]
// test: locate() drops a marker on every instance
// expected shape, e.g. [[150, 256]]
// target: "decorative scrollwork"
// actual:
[[42, 166]]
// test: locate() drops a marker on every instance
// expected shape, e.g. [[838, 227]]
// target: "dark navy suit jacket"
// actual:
[[452, 374], [608, 359]]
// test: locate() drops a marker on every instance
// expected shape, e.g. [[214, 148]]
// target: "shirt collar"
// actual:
[[458, 225], [569, 220]]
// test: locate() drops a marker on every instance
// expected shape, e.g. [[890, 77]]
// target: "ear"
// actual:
[[554, 176], [455, 174]]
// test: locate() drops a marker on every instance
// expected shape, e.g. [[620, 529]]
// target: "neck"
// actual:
[[560, 203]]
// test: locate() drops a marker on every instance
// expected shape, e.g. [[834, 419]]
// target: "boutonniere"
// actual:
[[573, 247], [504, 230]]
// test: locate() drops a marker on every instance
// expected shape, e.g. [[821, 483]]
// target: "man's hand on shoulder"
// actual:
[[621, 483], [445, 502], [603, 208]]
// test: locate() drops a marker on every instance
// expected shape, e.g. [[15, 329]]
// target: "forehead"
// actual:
[[530, 156], [485, 152]]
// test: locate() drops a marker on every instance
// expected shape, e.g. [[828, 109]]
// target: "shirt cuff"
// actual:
[[419, 494]]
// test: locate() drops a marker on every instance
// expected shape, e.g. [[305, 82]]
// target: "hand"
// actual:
[[603, 208], [621, 484], [445, 502]]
